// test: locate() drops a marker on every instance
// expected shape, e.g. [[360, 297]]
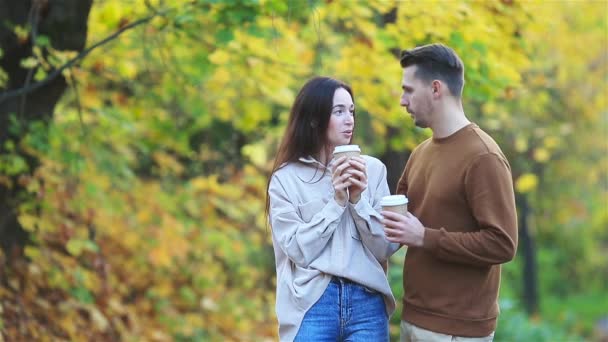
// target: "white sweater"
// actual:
[[314, 238]]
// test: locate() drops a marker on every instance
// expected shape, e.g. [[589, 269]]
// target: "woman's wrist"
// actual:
[[341, 201]]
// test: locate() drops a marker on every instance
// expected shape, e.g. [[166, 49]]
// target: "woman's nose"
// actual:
[[350, 119]]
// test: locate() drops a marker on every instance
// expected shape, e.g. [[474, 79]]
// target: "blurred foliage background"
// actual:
[[133, 203]]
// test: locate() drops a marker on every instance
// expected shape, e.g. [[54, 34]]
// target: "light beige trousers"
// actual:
[[412, 333]]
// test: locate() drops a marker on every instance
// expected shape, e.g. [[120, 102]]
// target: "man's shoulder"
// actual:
[[481, 147], [485, 138], [422, 146], [480, 143]]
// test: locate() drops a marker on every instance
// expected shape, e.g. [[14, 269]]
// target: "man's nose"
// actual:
[[404, 101]]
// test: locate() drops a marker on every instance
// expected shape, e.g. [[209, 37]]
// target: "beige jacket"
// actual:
[[314, 238]]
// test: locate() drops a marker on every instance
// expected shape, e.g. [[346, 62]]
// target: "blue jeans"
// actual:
[[346, 311]]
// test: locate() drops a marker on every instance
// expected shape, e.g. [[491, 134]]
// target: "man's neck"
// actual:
[[450, 120]]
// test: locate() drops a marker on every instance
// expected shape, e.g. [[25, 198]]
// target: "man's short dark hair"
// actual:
[[436, 62]]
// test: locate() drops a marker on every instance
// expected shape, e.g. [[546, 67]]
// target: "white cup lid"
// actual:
[[347, 148], [392, 200]]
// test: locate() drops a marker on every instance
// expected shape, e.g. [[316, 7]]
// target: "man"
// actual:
[[462, 223]]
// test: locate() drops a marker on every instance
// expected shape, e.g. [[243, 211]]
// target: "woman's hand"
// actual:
[[340, 180], [358, 179]]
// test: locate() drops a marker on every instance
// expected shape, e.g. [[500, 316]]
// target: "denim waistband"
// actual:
[[338, 280]]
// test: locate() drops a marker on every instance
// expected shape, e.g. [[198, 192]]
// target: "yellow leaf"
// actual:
[[541, 155], [379, 128], [28, 222], [99, 320], [168, 163], [160, 257], [219, 57], [222, 76], [127, 69], [256, 153], [32, 252], [29, 62], [551, 142], [526, 183], [521, 144]]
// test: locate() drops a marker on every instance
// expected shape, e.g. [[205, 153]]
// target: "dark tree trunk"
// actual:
[[527, 247], [394, 161], [64, 22]]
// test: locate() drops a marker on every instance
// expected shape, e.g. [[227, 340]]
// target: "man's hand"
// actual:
[[404, 229], [358, 170]]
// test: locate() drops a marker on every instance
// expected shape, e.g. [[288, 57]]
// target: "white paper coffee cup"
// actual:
[[347, 150], [395, 203]]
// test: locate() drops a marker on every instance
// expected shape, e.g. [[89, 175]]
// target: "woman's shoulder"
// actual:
[[284, 169], [291, 169]]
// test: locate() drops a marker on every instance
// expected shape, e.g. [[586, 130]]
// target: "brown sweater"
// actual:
[[460, 188]]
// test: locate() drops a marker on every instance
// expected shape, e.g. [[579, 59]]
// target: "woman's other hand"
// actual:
[[340, 180], [358, 179]]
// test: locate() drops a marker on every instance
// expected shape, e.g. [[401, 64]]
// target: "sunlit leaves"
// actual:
[[3, 77], [29, 63], [256, 154], [526, 183]]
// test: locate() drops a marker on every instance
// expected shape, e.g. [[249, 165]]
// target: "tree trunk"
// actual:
[[528, 248], [64, 22], [394, 161]]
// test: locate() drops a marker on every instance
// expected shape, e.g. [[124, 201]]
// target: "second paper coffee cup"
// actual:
[[395, 203]]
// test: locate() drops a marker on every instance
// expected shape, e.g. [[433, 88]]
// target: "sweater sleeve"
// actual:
[[489, 192], [301, 240], [366, 214]]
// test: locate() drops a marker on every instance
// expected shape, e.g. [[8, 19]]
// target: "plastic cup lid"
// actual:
[[392, 200], [347, 148]]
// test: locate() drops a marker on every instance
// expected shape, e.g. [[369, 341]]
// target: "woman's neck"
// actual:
[[323, 156]]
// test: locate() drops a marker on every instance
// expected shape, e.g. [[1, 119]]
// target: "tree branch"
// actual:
[[28, 89], [33, 18]]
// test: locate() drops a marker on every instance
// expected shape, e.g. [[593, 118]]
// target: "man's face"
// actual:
[[416, 97]]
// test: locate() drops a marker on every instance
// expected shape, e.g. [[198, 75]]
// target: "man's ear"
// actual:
[[437, 88]]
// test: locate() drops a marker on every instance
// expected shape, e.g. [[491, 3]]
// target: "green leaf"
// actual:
[[77, 246], [83, 295], [224, 36], [29, 62], [188, 295], [3, 78], [40, 74], [43, 40]]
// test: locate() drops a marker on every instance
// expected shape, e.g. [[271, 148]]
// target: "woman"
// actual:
[[328, 240]]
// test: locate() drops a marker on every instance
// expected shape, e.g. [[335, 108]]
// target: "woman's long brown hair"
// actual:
[[306, 132]]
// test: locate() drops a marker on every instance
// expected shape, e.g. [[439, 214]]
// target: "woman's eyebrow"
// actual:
[[343, 106]]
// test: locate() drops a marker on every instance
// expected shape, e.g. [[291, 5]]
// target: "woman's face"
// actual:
[[342, 120]]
